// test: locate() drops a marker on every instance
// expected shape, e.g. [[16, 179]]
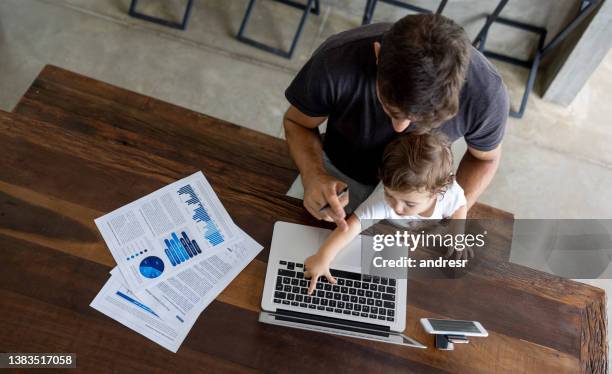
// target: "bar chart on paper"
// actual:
[[201, 216], [181, 248], [160, 234]]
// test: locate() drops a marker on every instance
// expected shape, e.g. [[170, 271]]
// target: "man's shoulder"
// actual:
[[483, 81], [352, 38], [484, 97], [352, 49], [346, 61]]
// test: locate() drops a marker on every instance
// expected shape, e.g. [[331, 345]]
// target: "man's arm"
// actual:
[[476, 171], [307, 152]]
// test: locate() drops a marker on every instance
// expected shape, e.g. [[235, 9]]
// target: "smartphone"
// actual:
[[453, 327]]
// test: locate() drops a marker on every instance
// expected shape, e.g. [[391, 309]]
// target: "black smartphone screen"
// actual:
[[452, 325]]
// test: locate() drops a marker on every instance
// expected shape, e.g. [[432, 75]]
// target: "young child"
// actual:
[[417, 182]]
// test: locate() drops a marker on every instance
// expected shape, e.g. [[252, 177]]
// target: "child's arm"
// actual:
[[318, 264]]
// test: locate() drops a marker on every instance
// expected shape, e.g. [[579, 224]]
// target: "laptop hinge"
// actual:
[[338, 323]]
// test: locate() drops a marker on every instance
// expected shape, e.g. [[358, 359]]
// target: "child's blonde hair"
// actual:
[[418, 162]]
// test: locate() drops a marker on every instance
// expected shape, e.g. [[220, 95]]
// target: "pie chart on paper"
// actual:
[[151, 267]]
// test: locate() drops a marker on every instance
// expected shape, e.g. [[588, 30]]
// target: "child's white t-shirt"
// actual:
[[375, 207]]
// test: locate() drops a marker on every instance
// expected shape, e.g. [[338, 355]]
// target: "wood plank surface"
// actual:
[[77, 148]]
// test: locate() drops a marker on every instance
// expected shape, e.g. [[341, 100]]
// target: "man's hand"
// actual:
[[456, 226], [322, 189], [466, 253], [316, 266]]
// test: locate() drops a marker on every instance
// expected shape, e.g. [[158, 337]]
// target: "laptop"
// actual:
[[358, 305]]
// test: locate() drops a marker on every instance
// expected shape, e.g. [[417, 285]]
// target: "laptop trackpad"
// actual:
[[349, 258]]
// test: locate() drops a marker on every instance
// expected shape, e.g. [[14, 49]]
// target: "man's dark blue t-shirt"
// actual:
[[339, 82]]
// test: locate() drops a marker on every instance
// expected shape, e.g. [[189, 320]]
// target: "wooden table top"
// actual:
[[75, 148]]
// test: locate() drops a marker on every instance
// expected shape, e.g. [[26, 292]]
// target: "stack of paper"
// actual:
[[176, 249]]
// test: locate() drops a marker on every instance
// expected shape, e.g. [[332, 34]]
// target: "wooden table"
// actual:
[[76, 148]]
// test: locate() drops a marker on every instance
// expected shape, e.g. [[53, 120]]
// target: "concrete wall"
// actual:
[[578, 57]]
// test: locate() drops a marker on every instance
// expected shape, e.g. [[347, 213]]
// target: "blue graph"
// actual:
[[211, 231], [151, 267], [180, 249]]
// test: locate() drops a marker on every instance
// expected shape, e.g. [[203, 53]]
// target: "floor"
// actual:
[[557, 161]]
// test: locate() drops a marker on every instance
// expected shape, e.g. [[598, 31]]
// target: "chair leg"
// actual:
[[586, 7], [532, 64], [186, 14], [311, 6], [133, 4], [298, 33], [317, 8], [160, 21], [245, 19], [528, 87], [532, 76], [479, 41], [368, 12], [441, 6], [371, 5]]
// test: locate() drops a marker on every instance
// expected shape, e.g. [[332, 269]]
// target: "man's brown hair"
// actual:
[[422, 66], [418, 162]]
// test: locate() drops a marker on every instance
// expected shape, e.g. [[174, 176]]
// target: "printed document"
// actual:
[[176, 249], [164, 232]]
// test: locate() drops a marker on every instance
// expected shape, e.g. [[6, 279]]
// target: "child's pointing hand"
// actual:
[[316, 266]]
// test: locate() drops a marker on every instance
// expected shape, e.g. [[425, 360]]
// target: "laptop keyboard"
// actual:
[[354, 294]]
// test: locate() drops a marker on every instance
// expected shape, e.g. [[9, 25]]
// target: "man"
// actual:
[[377, 81]]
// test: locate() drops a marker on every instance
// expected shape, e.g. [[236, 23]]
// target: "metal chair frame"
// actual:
[[311, 6], [160, 21], [371, 5], [542, 49]]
